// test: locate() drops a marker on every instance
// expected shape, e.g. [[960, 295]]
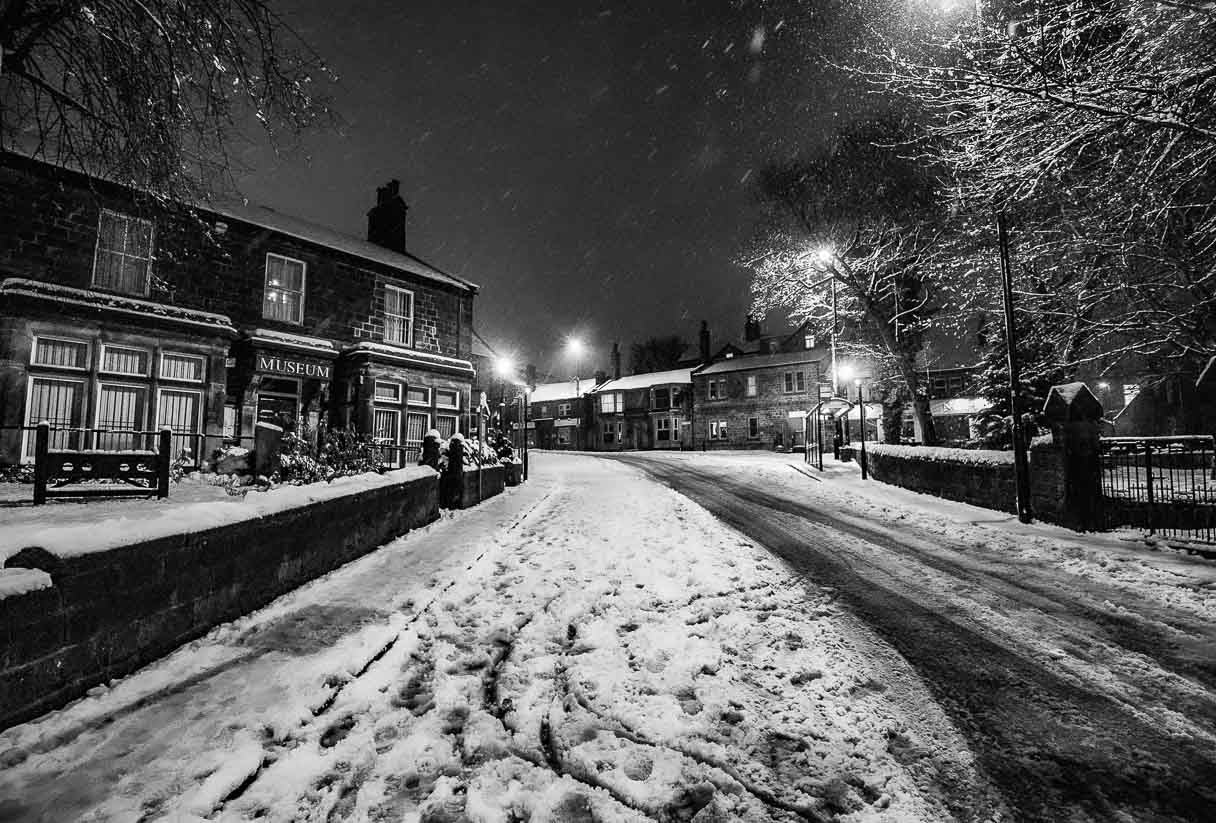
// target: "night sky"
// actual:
[[589, 164]]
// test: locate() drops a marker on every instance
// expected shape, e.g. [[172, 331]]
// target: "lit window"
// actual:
[[175, 366], [123, 260], [284, 296], [61, 354], [751, 385], [120, 360], [612, 402], [388, 392], [121, 411], [447, 425], [181, 411], [398, 316], [60, 403]]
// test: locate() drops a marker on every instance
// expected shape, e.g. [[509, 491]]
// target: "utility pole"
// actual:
[[1021, 465]]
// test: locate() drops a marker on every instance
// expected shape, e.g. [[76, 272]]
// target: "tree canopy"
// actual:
[[152, 93]]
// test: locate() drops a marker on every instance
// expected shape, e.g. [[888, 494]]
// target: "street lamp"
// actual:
[[574, 348], [861, 412]]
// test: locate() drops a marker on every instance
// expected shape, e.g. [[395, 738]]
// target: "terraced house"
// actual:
[[120, 314], [756, 392]]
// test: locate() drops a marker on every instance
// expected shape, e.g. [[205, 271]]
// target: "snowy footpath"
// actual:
[[590, 646]]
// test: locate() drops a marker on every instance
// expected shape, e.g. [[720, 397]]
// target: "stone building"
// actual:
[[558, 415], [643, 411], [756, 392], [120, 313]]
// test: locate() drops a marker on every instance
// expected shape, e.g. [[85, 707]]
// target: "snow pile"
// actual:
[[19, 581], [938, 454], [87, 538]]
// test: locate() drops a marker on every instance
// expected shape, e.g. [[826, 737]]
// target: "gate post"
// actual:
[[42, 442], [1075, 416]]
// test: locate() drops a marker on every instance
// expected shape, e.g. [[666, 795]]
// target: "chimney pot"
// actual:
[[386, 220]]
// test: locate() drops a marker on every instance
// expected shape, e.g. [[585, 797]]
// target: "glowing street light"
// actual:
[[504, 367]]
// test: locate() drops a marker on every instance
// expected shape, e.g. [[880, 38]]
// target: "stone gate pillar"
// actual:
[[1071, 470]]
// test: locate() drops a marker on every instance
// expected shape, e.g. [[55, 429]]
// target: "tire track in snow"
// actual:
[[1053, 747]]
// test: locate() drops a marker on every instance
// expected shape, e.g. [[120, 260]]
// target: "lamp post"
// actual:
[[846, 374], [861, 412]]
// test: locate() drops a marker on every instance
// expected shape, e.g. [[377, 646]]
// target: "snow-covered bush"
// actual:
[[17, 474], [339, 453], [974, 457]]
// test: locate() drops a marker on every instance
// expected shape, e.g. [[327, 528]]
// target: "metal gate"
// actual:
[[1166, 485]]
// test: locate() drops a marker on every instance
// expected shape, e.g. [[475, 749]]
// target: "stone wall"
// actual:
[[110, 612], [979, 478], [987, 483]]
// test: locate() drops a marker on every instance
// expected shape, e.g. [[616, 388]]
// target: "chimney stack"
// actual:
[[751, 329], [704, 342], [616, 361], [386, 220], [600, 376]]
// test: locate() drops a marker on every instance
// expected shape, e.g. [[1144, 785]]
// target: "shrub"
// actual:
[[339, 453]]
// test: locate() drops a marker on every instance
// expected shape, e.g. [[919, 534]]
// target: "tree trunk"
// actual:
[[907, 370], [892, 421]]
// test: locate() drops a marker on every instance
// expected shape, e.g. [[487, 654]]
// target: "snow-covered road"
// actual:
[[588, 647], [1080, 668]]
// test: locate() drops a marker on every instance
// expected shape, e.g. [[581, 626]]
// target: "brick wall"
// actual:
[[50, 218], [109, 613]]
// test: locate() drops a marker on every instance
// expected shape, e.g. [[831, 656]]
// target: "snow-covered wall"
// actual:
[[111, 609], [981, 478]]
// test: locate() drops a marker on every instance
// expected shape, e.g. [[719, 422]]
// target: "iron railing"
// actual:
[[1165, 485]]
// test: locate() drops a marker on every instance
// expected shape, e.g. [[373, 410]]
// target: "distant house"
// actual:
[[643, 411], [558, 417], [756, 392]]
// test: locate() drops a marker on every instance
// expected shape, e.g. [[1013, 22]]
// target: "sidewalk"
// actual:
[[587, 646]]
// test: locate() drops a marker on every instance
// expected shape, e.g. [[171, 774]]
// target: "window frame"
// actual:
[[266, 286], [376, 398], [564, 409], [88, 353], [752, 387], [441, 390], [101, 361], [660, 429], [97, 251], [455, 418], [753, 428], [426, 402], [198, 423], [160, 367], [409, 320], [27, 436], [99, 384]]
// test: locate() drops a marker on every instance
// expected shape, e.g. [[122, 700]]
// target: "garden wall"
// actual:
[[981, 478], [113, 608]]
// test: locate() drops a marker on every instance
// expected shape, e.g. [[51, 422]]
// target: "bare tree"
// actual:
[[152, 93], [853, 236], [656, 354], [1091, 124]]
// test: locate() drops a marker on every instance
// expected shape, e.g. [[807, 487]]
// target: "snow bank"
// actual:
[[19, 581], [81, 539], [971, 457]]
